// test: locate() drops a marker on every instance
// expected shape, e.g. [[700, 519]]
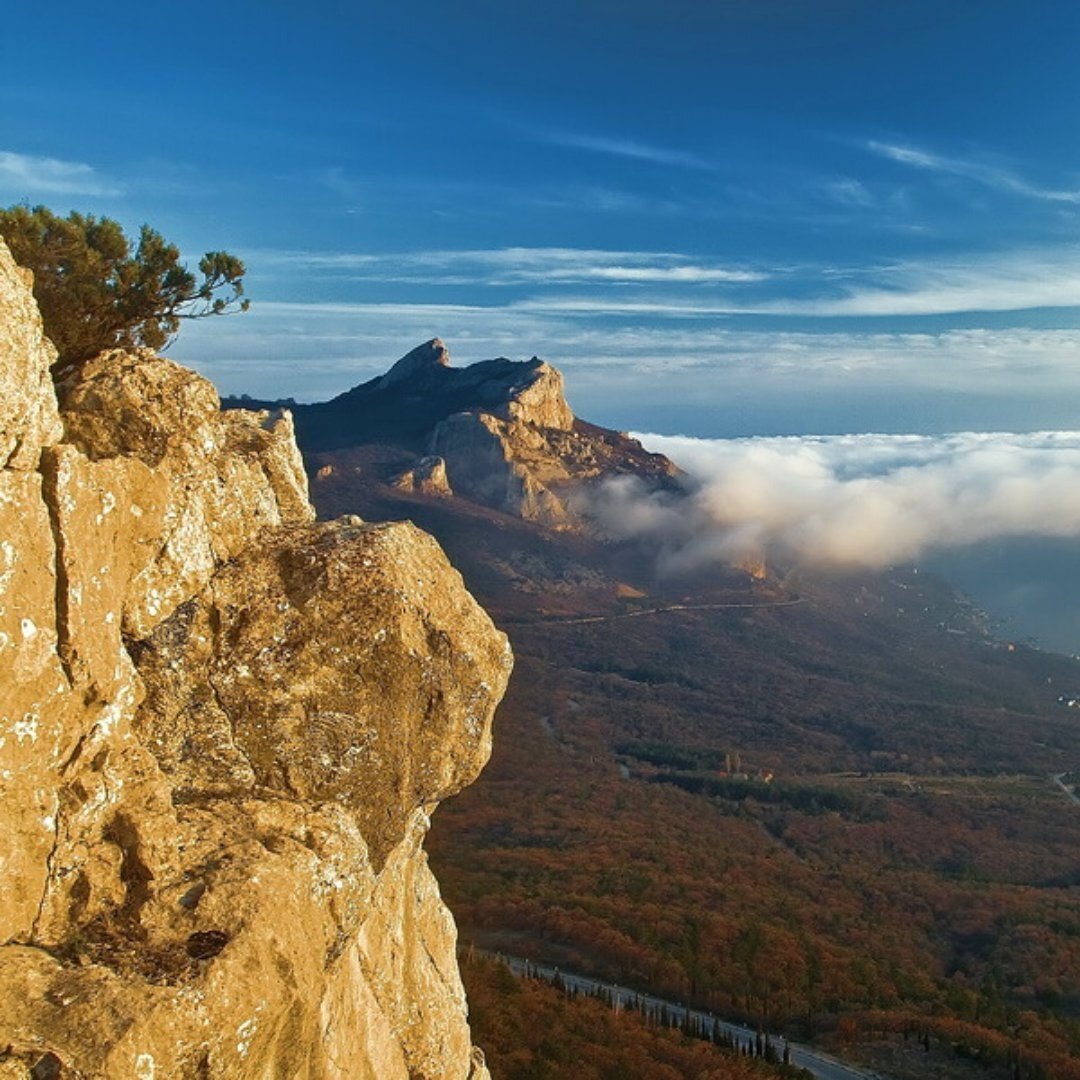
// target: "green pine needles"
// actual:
[[95, 293]]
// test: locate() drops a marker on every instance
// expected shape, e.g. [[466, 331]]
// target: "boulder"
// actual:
[[426, 477]]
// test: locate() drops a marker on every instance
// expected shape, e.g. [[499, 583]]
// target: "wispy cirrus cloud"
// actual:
[[656, 307], [988, 174], [335, 180], [31, 175], [1008, 281], [604, 199], [519, 265], [685, 274], [628, 148], [674, 285], [850, 193], [980, 282]]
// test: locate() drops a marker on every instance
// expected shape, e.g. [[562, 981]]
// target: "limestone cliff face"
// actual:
[[525, 459], [494, 462], [222, 730], [501, 455]]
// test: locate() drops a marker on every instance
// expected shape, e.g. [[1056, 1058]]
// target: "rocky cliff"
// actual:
[[223, 731]]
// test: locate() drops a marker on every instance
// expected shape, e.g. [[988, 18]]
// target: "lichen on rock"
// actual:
[[223, 731]]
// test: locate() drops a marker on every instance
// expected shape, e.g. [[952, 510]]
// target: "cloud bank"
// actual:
[[853, 500]]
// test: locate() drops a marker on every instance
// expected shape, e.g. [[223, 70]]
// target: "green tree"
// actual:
[[95, 293]]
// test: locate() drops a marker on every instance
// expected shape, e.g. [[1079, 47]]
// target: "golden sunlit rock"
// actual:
[[223, 731]]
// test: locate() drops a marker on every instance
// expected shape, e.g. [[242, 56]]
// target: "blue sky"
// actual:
[[726, 218]]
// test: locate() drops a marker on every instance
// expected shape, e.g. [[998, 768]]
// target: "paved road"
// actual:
[[821, 1065]]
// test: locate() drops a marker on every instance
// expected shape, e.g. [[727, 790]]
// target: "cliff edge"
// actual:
[[223, 730]]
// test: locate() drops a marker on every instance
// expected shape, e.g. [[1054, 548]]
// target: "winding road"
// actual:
[[821, 1065], [639, 612]]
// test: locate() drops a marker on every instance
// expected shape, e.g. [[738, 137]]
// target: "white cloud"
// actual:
[[598, 198], [978, 281], [981, 172], [629, 148], [1010, 281], [865, 500], [367, 311], [586, 306], [33, 175], [849, 193], [681, 275], [337, 181], [516, 266], [1013, 281]]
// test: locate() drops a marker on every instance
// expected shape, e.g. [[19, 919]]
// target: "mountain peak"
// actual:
[[502, 430], [420, 361]]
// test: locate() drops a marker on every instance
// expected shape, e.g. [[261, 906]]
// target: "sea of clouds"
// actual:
[[849, 500]]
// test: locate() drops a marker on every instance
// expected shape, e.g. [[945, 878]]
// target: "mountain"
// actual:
[[819, 801], [224, 729], [499, 433]]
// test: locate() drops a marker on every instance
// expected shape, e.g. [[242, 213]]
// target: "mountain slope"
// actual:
[[824, 801]]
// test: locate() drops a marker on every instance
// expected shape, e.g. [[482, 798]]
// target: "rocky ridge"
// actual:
[[223, 731], [501, 429]]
